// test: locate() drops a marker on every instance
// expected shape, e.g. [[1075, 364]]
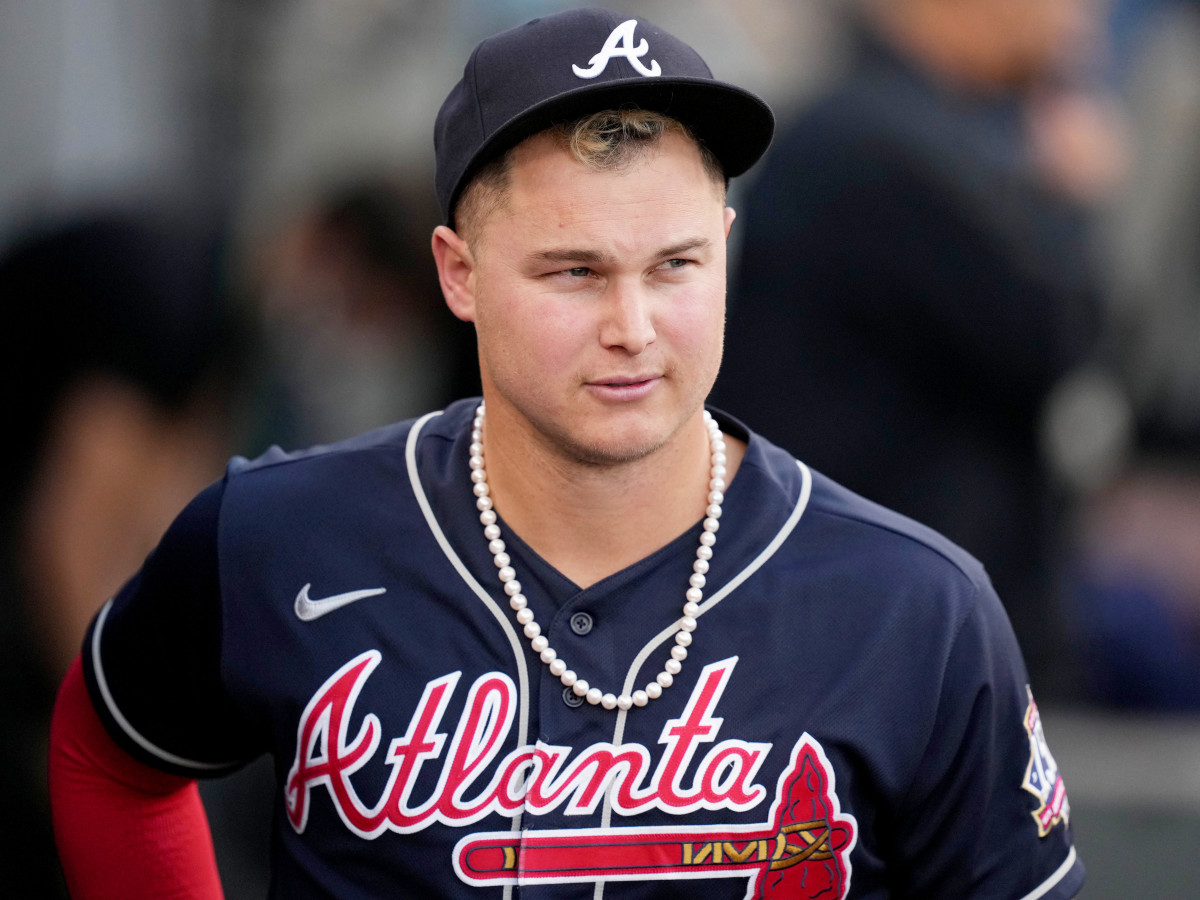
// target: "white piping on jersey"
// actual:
[[134, 735], [727, 589], [410, 456], [1059, 874]]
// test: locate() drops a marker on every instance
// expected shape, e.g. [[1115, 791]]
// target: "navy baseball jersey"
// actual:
[[852, 719]]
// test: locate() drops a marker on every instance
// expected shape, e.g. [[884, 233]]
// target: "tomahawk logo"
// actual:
[[802, 851], [620, 43]]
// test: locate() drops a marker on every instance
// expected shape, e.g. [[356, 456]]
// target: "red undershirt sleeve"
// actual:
[[124, 831]]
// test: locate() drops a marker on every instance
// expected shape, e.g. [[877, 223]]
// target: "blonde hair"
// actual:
[[611, 140]]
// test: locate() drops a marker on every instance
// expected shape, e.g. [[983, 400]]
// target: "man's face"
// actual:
[[599, 299], [1031, 39]]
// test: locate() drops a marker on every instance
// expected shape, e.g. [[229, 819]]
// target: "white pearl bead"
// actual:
[[478, 475], [691, 609], [697, 580], [687, 623], [483, 504], [716, 496], [580, 687], [525, 616], [487, 517], [608, 701], [518, 601], [694, 595], [496, 548], [502, 559], [476, 451], [654, 690], [539, 642], [683, 639], [640, 698], [594, 696], [701, 566], [568, 677], [679, 652], [512, 588], [557, 666], [624, 702], [665, 679], [492, 532], [717, 484], [719, 459], [714, 510], [532, 630], [704, 552], [711, 524], [550, 655], [481, 489], [673, 666], [507, 573], [707, 538]]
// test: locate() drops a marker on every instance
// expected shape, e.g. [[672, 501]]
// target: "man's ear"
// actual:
[[730, 215], [456, 271]]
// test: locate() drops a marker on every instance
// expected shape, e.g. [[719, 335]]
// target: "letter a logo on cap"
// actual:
[[620, 43]]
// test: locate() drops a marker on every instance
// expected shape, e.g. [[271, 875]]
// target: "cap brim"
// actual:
[[735, 124]]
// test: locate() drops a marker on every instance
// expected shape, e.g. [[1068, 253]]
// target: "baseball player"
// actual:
[[582, 638]]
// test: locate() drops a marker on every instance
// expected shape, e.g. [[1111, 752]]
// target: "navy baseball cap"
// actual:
[[564, 66]]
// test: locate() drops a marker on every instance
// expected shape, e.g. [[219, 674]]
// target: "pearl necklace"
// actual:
[[520, 605]]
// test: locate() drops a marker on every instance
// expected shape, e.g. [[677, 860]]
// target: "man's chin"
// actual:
[[609, 453]]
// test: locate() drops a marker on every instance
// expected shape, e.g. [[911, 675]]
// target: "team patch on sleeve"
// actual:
[[1042, 778]]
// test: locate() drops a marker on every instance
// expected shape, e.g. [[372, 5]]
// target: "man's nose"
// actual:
[[628, 318]]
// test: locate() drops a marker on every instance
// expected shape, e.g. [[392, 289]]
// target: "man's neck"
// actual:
[[590, 521]]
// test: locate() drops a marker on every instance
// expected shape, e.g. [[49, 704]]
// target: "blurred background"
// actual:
[[968, 273]]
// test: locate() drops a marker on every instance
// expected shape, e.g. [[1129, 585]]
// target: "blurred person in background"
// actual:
[[1139, 572], [114, 389], [915, 284], [350, 317]]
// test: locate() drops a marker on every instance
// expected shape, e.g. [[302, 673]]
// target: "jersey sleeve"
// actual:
[[152, 656], [987, 814]]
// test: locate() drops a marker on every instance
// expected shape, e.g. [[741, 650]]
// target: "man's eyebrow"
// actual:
[[563, 255], [566, 254], [699, 243]]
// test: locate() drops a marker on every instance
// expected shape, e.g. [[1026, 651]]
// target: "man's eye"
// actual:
[[579, 272], [675, 263]]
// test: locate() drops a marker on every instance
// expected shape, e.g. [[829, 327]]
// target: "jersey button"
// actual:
[[581, 623], [572, 699]]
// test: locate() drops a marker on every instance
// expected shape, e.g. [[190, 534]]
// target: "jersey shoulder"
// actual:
[[357, 453], [885, 551], [834, 500]]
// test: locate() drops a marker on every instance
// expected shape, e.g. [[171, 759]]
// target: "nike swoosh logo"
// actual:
[[307, 610]]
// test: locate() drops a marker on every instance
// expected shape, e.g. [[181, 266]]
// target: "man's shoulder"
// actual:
[[843, 524], [884, 525], [386, 441]]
